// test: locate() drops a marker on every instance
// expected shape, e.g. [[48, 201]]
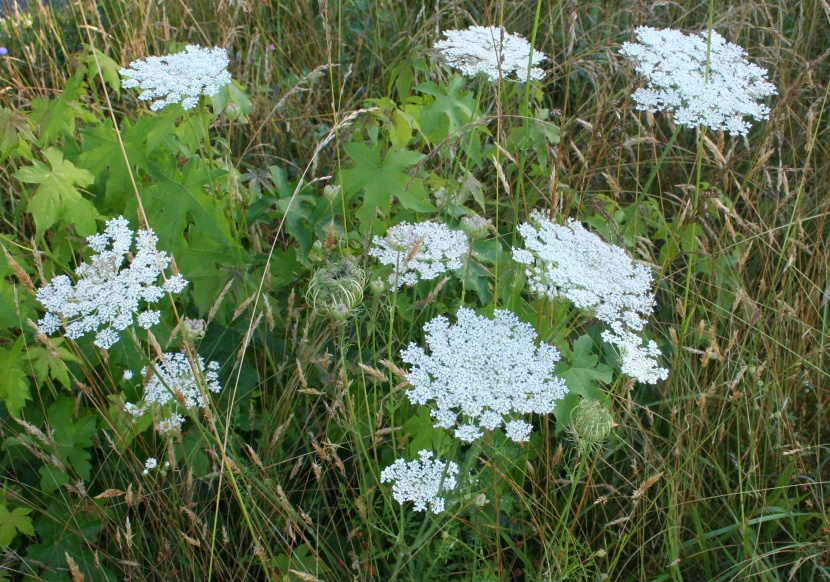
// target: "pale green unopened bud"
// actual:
[[233, 111], [193, 329], [377, 286], [331, 192], [475, 227], [591, 424], [337, 289]]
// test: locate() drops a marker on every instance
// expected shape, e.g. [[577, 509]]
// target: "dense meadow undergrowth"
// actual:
[[373, 290]]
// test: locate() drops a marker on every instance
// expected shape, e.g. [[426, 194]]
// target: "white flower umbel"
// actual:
[[567, 261], [675, 65], [179, 78], [421, 481], [485, 371], [490, 50], [174, 383], [637, 361], [419, 251], [107, 294]]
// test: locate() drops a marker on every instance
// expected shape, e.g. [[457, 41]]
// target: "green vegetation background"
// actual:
[[719, 473]]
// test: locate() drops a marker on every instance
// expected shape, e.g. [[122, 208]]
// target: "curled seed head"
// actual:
[[337, 289]]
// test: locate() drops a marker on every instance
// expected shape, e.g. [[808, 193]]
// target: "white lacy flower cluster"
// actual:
[[421, 481], [173, 382], [675, 66], [179, 78], [485, 371], [492, 51], [419, 251], [106, 294], [567, 261]]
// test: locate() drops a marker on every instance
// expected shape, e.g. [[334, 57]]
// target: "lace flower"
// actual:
[[107, 294], [421, 481], [492, 51], [567, 261], [636, 361], [419, 251], [179, 78], [485, 371], [173, 382], [675, 66]]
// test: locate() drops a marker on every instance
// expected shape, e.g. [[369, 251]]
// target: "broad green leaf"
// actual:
[[381, 180], [57, 195], [72, 438], [64, 528], [14, 384], [56, 117], [451, 109], [230, 93], [13, 522], [189, 222], [581, 371], [424, 434], [101, 154], [108, 67], [47, 364], [13, 126]]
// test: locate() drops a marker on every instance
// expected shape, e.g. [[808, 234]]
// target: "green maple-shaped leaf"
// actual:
[[382, 179], [14, 386], [108, 68], [190, 222], [51, 363], [581, 372], [451, 109], [57, 196], [13, 522]]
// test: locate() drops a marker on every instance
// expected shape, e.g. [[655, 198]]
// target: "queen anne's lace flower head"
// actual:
[[492, 51], [419, 251], [107, 294], [568, 262], [180, 77], [675, 65], [485, 371], [421, 481], [174, 383]]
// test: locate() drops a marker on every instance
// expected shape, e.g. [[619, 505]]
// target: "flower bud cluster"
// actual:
[[107, 294], [336, 290]]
